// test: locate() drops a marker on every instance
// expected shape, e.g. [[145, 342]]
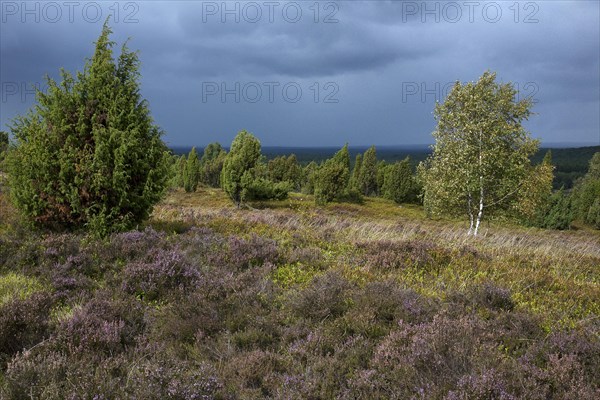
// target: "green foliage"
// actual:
[[533, 193], [555, 213], [355, 177], [309, 174], [259, 188], [245, 176], [286, 169], [399, 183], [480, 160], [342, 157], [211, 165], [571, 164], [178, 173], [381, 169], [367, 178], [332, 179], [330, 182], [294, 274], [586, 194], [89, 154], [593, 215], [17, 286], [243, 156], [191, 175], [3, 144]]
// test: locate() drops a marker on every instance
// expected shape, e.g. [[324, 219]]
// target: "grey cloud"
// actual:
[[372, 51]]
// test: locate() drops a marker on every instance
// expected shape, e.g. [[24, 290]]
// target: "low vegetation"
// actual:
[[292, 300]]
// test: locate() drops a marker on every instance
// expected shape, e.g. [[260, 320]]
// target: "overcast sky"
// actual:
[[300, 74]]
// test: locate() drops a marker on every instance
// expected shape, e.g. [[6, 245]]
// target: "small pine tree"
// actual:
[[330, 182], [243, 156], [367, 181], [309, 175], [244, 175], [593, 215], [179, 173], [555, 213], [534, 193], [342, 157], [191, 176], [211, 164], [293, 173], [382, 167], [355, 178], [333, 177], [89, 154], [399, 183], [587, 192], [285, 169]]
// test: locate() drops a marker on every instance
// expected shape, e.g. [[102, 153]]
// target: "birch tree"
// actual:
[[480, 160]]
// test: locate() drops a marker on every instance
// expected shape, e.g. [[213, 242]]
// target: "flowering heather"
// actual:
[[296, 304], [162, 271]]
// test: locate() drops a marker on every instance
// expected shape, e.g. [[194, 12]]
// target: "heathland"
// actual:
[[286, 299]]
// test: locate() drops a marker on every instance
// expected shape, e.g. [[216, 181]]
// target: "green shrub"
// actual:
[[593, 215], [309, 178], [245, 176], [3, 146], [555, 213], [586, 194], [191, 175], [399, 183], [89, 154], [263, 189], [285, 169], [330, 182], [211, 165], [332, 179], [367, 177]]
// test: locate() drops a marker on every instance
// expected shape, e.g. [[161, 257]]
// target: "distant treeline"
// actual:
[[570, 163]]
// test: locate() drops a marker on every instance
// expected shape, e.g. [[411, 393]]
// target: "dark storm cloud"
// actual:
[[385, 62]]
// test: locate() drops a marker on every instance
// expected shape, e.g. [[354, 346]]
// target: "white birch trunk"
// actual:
[[480, 213], [470, 211]]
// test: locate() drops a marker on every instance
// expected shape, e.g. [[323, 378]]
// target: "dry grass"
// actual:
[[378, 219], [553, 273]]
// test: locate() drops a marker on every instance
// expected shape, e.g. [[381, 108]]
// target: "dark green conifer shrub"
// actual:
[[89, 155]]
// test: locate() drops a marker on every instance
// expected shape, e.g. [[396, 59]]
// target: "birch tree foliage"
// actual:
[[480, 160]]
